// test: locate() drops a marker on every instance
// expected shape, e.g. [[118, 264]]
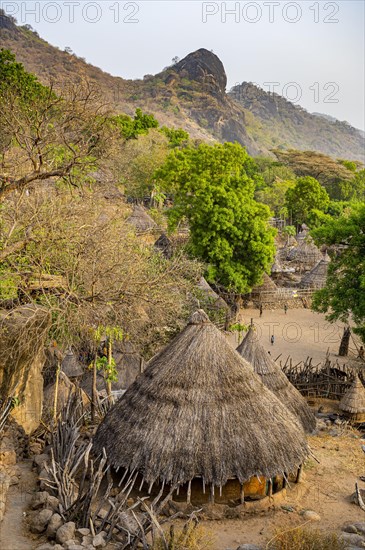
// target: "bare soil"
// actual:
[[326, 489]]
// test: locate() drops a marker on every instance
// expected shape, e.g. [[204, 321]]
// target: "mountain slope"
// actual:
[[285, 125], [192, 94]]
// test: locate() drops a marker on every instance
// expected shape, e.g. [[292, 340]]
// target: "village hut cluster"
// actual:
[[201, 422]]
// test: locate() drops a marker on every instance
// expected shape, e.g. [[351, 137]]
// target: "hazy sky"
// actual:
[[312, 50]]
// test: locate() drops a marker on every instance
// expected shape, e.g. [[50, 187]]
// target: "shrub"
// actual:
[[190, 537], [305, 539]]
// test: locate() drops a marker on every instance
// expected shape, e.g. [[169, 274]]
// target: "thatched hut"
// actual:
[[141, 220], [198, 416], [353, 402], [267, 291], [316, 278], [210, 297], [164, 245], [306, 254], [275, 380]]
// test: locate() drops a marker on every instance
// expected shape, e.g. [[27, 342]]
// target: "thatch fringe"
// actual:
[[275, 379], [198, 410]]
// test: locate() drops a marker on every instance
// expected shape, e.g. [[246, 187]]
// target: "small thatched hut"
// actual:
[[198, 416], [316, 278], [164, 245], [210, 296], [275, 380], [353, 402], [141, 220], [306, 254], [267, 291]]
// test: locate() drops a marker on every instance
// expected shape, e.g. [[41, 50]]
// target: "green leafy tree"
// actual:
[[289, 231], [274, 195], [228, 228], [338, 177], [344, 294], [131, 128], [305, 196]]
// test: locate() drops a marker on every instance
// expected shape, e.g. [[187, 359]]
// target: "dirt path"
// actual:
[[299, 333], [13, 533]]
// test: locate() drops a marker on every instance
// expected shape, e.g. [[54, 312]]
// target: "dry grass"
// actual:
[[305, 539], [190, 537]]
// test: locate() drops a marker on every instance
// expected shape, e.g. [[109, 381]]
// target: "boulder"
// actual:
[[40, 461], [39, 500], [352, 539], [66, 532], [22, 335], [310, 515], [54, 524], [99, 540], [40, 520]]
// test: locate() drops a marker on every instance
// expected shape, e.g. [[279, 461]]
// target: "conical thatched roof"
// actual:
[[353, 401], [274, 379], [276, 266], [215, 300], [266, 285], [198, 410], [164, 245], [316, 278], [141, 220], [306, 252]]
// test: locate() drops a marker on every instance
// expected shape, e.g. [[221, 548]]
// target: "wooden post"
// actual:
[[188, 494], [284, 480], [299, 474], [270, 488], [242, 496], [212, 493]]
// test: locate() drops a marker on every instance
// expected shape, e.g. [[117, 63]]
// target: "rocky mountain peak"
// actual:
[[205, 67]]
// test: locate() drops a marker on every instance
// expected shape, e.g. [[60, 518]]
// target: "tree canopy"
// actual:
[[307, 195], [228, 229], [344, 294]]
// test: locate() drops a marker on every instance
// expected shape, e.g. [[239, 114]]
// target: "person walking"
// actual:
[[261, 310], [272, 339], [285, 308]]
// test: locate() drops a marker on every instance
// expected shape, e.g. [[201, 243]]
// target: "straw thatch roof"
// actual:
[[267, 285], [198, 410], [353, 402], [316, 278], [141, 220], [211, 296], [306, 253], [274, 378], [276, 266], [164, 245]]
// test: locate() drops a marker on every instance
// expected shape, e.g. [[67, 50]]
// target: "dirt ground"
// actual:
[[326, 489], [299, 333]]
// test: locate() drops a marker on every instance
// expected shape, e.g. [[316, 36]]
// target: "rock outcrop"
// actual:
[[22, 337]]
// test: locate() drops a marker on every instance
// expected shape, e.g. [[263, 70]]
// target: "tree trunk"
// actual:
[[345, 341]]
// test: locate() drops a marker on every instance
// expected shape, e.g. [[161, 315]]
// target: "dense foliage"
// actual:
[[229, 229], [343, 297]]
